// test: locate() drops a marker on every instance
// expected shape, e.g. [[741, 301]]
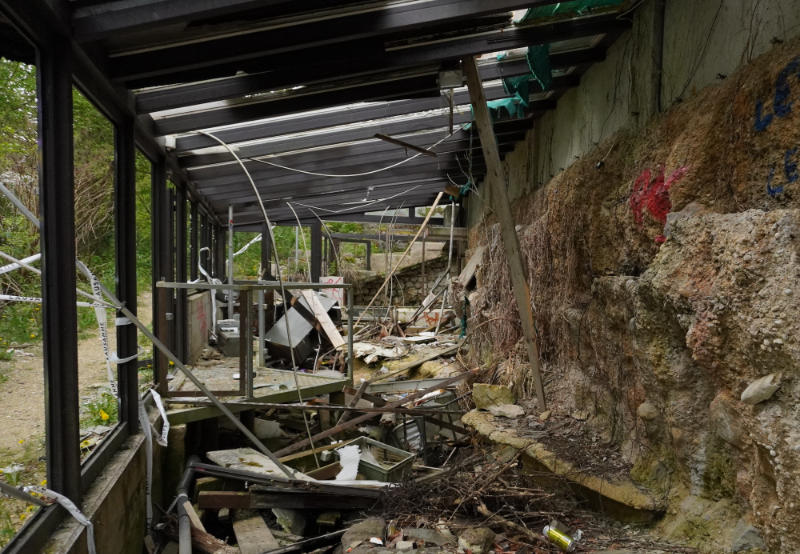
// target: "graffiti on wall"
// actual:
[[651, 195], [781, 107], [781, 101], [790, 172]]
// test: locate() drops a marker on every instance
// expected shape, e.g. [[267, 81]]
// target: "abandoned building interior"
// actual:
[[521, 276]]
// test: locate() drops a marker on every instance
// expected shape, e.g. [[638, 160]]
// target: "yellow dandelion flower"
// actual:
[[21, 441], [22, 516], [103, 415], [30, 508], [43, 483], [171, 362]]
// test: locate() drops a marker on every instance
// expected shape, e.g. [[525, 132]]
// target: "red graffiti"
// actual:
[[652, 193]]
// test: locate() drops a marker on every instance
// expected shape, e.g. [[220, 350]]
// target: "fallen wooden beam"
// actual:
[[263, 498], [321, 315], [496, 182], [365, 409]]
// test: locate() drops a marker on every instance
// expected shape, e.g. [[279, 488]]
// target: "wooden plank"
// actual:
[[194, 519], [495, 177], [469, 270], [252, 534], [321, 315], [215, 500]]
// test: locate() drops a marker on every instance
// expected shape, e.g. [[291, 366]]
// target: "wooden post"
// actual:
[[496, 181]]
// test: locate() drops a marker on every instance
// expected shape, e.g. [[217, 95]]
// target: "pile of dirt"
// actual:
[[663, 270]]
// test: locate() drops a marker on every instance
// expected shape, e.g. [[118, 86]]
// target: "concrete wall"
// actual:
[[703, 41], [116, 502]]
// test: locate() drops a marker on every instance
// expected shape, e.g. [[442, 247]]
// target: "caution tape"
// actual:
[[68, 505]]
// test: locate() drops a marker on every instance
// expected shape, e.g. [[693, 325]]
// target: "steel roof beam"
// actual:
[[392, 19], [366, 55], [103, 21], [417, 86], [303, 122], [243, 85], [288, 187], [336, 163], [326, 139]]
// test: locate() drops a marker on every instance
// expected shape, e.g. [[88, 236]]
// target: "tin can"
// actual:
[[561, 540]]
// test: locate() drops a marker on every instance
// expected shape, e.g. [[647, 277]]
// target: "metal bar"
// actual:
[[318, 407], [316, 251], [194, 240], [181, 308], [125, 247], [245, 344], [500, 204], [261, 329], [59, 311], [266, 253], [170, 257], [230, 263], [254, 285], [350, 357]]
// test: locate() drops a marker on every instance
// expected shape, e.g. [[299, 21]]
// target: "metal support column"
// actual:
[[316, 251], [170, 268], [181, 319], [369, 255], [161, 305], [230, 262], [59, 314], [266, 253], [125, 241], [194, 240]]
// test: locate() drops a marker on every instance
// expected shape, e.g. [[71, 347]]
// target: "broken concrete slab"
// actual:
[[247, 459], [622, 491], [510, 411], [252, 534], [491, 395]]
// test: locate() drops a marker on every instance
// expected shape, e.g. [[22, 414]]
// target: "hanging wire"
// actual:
[[365, 173], [280, 280]]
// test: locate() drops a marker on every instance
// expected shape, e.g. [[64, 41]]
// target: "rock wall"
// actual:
[[664, 268], [409, 286]]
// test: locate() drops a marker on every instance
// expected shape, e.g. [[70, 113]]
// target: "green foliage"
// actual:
[[102, 410]]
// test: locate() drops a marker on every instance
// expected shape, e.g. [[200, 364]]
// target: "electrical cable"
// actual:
[[278, 275], [363, 174]]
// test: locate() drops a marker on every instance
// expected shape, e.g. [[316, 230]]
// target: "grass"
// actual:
[[28, 468]]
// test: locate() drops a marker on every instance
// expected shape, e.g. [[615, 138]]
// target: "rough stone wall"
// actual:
[[407, 285], [664, 268]]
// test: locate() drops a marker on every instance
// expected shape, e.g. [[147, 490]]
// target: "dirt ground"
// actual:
[[22, 394]]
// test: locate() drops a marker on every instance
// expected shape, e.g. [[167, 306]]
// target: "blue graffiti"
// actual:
[[781, 103], [773, 192], [789, 170], [790, 167]]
